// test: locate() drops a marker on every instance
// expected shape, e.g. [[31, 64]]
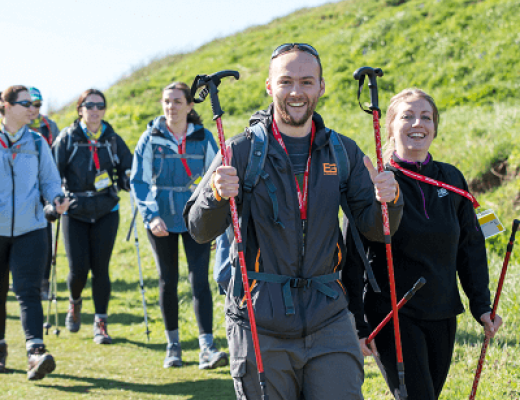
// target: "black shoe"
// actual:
[[101, 333], [40, 362], [3, 356], [73, 319]]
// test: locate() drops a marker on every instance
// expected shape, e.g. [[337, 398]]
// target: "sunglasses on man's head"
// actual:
[[90, 105], [37, 103], [284, 48], [23, 103]]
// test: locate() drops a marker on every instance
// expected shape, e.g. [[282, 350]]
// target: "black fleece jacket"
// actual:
[[77, 170], [438, 238]]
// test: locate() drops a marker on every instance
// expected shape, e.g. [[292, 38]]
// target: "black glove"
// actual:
[[50, 213]]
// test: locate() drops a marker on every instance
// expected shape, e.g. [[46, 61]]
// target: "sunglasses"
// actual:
[[37, 103], [23, 103], [284, 48], [90, 105]]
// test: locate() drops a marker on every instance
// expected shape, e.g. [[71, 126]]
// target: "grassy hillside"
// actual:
[[465, 53]]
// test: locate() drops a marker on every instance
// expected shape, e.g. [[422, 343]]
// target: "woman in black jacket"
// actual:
[[94, 163], [439, 239]]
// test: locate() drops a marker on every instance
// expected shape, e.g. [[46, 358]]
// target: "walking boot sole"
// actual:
[[44, 367], [221, 362]]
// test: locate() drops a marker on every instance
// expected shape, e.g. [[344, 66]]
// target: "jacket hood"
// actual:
[[157, 127]]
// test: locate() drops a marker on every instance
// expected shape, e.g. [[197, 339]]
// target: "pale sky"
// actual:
[[63, 47]]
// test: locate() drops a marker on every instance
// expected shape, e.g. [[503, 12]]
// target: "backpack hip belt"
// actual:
[[289, 282]]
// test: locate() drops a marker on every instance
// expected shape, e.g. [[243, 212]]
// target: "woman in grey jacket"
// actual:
[[27, 173]]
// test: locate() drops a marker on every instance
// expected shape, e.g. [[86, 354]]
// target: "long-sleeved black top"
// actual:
[[439, 238]]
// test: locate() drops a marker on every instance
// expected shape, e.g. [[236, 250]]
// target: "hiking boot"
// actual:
[[3, 356], [40, 362], [73, 319], [173, 356], [44, 290], [101, 333], [210, 358]]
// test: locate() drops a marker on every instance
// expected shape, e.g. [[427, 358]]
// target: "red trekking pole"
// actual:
[[376, 114], [482, 358], [419, 284], [210, 84]]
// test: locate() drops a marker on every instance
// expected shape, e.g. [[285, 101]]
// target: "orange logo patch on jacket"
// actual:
[[330, 169]]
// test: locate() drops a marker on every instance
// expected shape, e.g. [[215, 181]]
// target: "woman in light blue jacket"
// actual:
[[170, 159], [28, 174]]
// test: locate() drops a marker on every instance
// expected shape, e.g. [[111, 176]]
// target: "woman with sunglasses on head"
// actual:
[[94, 163], [28, 174], [171, 157], [49, 130]]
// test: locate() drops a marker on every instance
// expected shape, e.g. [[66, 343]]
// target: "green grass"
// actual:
[[131, 368], [465, 53]]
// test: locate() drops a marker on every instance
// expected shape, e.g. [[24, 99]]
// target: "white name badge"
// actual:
[[489, 223]]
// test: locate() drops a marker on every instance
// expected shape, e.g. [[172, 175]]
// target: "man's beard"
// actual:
[[289, 120]]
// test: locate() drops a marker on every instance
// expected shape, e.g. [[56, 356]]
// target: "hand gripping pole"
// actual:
[[482, 358], [372, 75], [209, 85]]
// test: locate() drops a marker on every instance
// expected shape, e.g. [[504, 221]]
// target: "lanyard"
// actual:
[[49, 139], [182, 150], [93, 149], [303, 196], [433, 182], [5, 146]]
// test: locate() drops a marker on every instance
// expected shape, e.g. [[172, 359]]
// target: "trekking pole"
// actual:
[[419, 284], [53, 298], [482, 358], [141, 281], [210, 84], [376, 114]]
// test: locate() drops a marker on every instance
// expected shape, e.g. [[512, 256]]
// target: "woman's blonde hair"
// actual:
[[405, 95]]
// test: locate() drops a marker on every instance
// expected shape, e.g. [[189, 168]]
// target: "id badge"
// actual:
[[194, 182], [102, 181], [489, 223]]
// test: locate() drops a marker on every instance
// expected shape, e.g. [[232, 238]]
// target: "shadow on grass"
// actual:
[[119, 285], [198, 390], [465, 338], [192, 344]]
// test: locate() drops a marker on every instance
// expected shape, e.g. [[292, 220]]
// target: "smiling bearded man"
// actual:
[[294, 247]]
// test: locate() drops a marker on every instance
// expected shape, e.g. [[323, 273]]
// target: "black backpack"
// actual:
[[255, 172]]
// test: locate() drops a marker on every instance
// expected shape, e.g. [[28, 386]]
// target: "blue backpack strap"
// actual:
[[38, 142], [254, 171], [343, 163]]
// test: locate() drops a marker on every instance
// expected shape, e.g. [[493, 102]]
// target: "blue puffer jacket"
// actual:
[[159, 180], [25, 180]]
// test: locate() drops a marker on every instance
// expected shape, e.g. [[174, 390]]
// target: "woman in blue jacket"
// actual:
[[28, 174], [170, 159]]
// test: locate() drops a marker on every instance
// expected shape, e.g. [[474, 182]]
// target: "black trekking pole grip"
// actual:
[[131, 225], [210, 86], [419, 284], [372, 74], [516, 224]]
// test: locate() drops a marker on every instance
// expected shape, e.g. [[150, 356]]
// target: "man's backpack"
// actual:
[[255, 172]]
